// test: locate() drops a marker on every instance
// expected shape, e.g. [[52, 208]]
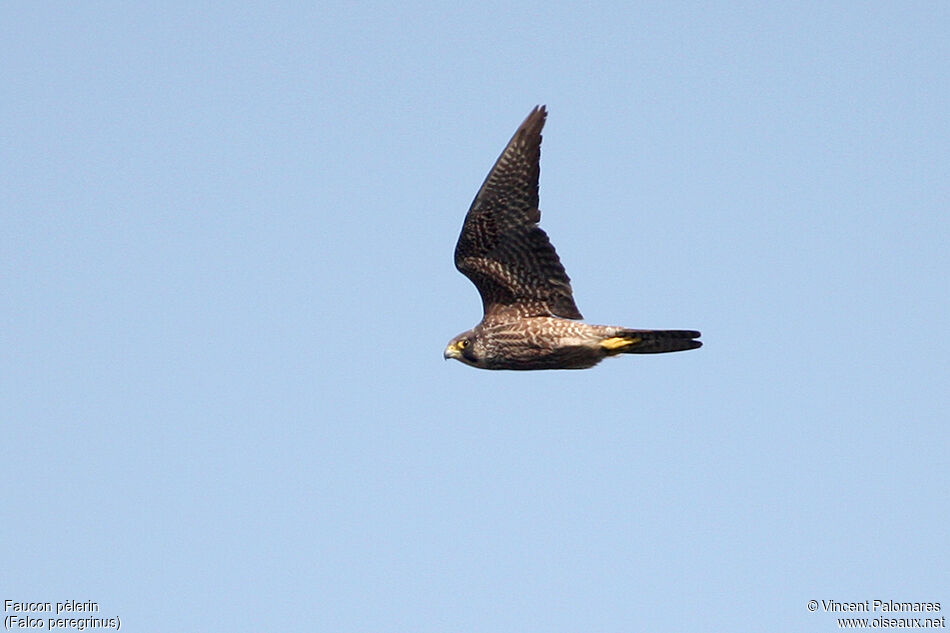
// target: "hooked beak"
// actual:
[[452, 351]]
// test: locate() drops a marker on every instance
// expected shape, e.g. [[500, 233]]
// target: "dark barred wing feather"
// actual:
[[501, 248]]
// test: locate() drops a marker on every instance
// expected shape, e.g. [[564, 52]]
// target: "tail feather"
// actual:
[[651, 341]]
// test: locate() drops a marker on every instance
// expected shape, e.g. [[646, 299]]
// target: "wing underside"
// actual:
[[501, 248]]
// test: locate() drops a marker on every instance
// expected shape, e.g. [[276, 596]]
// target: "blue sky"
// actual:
[[227, 280]]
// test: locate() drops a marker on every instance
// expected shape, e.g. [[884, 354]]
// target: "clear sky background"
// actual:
[[226, 282]]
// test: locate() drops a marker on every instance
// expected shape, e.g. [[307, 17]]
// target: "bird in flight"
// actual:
[[531, 320]]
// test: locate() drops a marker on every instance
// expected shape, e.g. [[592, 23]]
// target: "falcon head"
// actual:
[[467, 348]]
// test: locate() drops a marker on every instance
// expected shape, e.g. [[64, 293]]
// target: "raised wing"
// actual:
[[501, 248]]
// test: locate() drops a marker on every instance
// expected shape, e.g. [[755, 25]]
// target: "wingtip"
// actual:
[[535, 120]]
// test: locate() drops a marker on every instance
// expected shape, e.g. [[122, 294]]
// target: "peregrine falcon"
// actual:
[[531, 320]]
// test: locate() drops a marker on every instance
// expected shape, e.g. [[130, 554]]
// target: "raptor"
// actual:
[[530, 319]]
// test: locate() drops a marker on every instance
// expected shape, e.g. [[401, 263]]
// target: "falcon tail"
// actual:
[[651, 341]]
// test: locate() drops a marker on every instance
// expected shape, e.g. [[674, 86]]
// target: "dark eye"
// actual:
[[467, 350]]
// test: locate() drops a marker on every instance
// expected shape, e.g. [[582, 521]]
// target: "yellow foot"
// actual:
[[617, 344]]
